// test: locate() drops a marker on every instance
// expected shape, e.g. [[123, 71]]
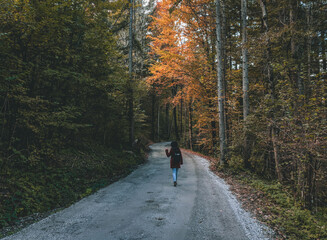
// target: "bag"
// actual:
[[177, 158]]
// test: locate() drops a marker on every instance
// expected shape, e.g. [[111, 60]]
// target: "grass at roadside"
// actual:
[[274, 204], [42, 189]]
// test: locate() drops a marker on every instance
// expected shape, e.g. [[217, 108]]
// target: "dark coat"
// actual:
[[172, 163]]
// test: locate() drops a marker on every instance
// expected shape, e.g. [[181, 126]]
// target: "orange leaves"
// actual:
[[165, 47], [183, 56]]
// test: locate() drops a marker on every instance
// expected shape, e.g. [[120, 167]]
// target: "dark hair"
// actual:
[[174, 144]]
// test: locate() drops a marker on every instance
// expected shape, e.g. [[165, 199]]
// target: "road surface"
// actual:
[[146, 205]]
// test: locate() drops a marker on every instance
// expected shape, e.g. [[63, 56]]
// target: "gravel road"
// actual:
[[146, 205]]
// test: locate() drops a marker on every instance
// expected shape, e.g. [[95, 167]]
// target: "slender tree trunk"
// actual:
[[271, 87], [4, 110], [309, 42], [276, 153], [105, 134], [174, 92], [311, 165], [310, 193], [323, 50], [190, 125], [167, 121], [153, 120], [221, 94], [181, 119], [224, 64], [245, 61], [264, 14], [214, 137], [213, 129], [211, 55], [175, 123], [186, 115], [230, 60], [158, 122], [295, 74], [245, 83], [130, 70]]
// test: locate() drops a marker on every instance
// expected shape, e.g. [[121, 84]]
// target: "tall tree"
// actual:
[[272, 90], [221, 92], [130, 71], [245, 80]]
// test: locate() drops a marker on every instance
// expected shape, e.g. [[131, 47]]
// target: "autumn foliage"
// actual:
[[286, 126]]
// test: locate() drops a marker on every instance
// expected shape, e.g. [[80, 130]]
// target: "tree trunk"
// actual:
[[213, 129], [310, 189], [167, 121], [245, 83], [295, 74], [181, 119], [175, 124], [174, 92], [224, 64], [211, 55], [130, 70], [158, 131], [311, 165], [214, 136], [4, 112], [221, 94], [153, 120], [271, 89], [276, 153], [245, 61], [323, 50], [185, 133], [190, 126], [309, 42]]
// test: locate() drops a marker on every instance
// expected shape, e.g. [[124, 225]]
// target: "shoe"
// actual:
[[175, 184]]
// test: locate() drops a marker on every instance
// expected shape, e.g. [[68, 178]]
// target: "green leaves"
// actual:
[[60, 66], [62, 84]]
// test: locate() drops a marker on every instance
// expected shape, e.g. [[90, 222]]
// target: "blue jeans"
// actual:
[[175, 172]]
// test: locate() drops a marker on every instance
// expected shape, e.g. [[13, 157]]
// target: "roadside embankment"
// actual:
[[30, 194]]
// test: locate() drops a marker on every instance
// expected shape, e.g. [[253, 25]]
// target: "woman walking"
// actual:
[[176, 160]]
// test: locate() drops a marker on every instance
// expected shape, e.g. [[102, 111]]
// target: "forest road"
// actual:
[[146, 205]]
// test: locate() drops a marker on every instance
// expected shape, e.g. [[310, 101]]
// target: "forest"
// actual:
[[268, 111], [81, 81]]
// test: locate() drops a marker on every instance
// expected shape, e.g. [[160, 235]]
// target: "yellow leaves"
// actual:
[[180, 58]]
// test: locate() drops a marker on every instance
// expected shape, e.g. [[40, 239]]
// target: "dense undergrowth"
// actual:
[[289, 215], [38, 189], [279, 208]]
